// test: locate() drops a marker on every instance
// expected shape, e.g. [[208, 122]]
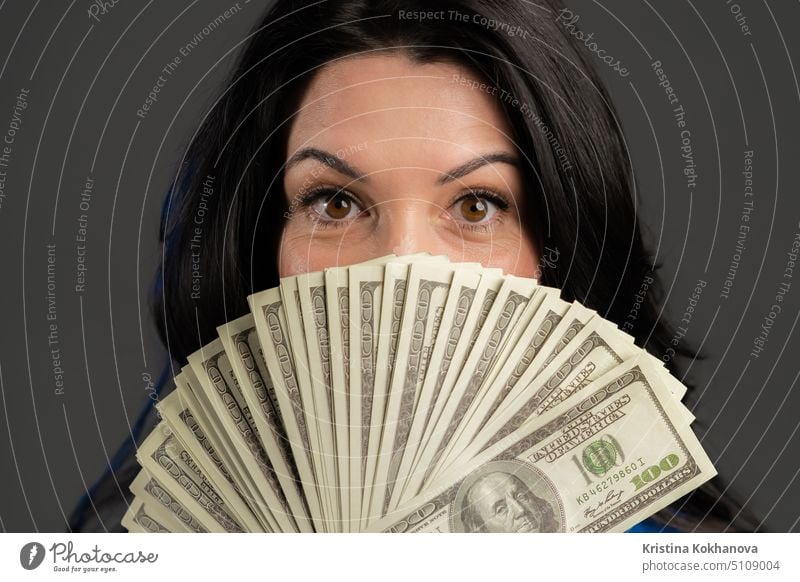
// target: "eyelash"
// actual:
[[307, 201], [500, 201]]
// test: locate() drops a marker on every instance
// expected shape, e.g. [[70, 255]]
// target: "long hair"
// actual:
[[580, 207]]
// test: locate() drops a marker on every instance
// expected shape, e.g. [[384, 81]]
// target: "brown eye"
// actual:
[[478, 207], [338, 207], [333, 206], [474, 209]]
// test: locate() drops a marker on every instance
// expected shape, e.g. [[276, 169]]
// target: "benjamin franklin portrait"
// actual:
[[504, 499]]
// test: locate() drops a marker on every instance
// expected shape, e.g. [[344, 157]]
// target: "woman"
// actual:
[[352, 129]]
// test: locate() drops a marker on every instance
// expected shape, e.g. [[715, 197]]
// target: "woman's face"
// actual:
[[386, 156]]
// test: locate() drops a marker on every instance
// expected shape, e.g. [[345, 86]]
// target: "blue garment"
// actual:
[[652, 526]]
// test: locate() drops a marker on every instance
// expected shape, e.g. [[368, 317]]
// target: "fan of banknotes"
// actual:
[[416, 394]]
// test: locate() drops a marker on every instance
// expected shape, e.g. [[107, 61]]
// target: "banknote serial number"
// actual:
[[610, 480], [632, 473]]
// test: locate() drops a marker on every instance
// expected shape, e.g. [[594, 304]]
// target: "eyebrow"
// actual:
[[341, 166]]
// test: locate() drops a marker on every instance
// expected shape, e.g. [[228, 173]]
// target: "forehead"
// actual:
[[391, 98], [494, 486]]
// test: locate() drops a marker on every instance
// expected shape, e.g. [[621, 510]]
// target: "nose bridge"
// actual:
[[406, 227], [514, 506]]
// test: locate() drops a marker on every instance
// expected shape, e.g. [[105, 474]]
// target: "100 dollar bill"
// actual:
[[600, 462]]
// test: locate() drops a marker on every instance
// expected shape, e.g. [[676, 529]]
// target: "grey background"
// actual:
[[88, 78]]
